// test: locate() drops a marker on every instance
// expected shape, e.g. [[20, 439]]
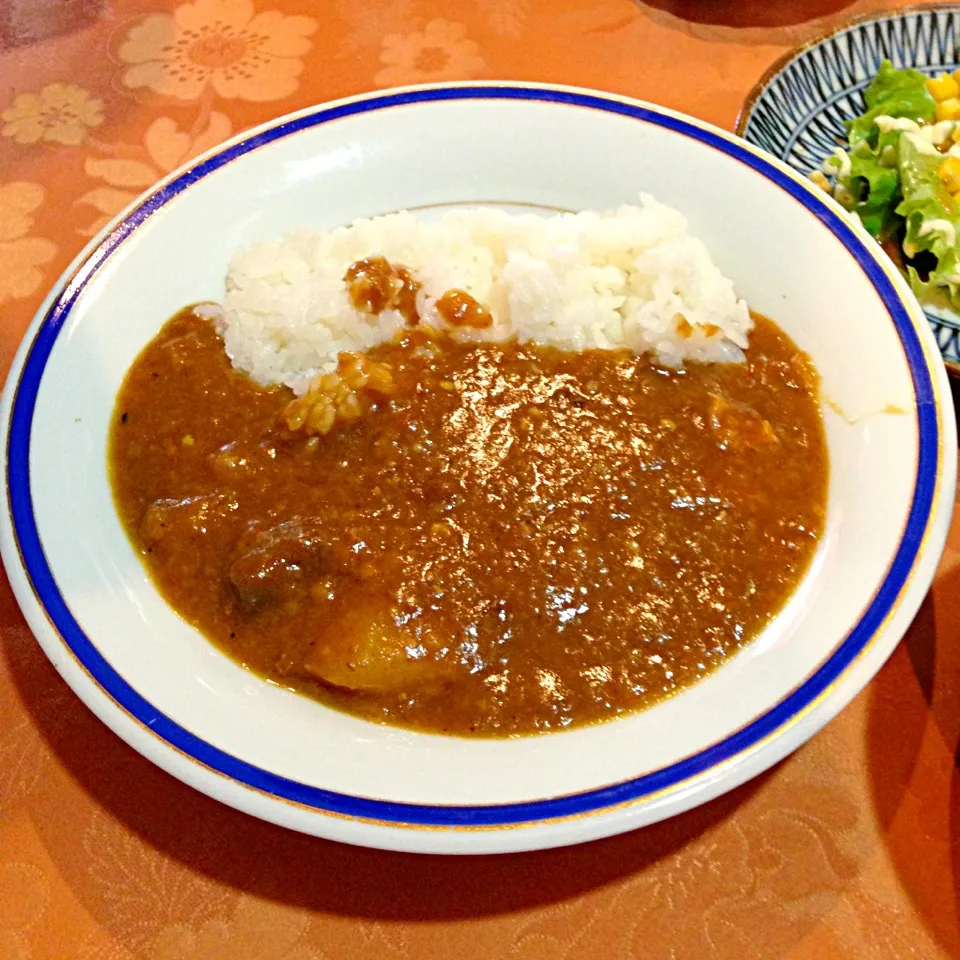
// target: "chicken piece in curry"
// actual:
[[474, 538]]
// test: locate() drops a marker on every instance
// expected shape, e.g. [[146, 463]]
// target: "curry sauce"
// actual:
[[506, 538]]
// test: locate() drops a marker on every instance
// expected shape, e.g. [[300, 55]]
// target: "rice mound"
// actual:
[[631, 277]]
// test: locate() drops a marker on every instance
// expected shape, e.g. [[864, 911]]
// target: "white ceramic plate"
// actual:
[[170, 694]]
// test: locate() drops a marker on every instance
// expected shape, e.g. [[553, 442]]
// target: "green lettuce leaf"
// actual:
[[893, 93], [925, 199], [890, 180], [876, 187], [873, 181]]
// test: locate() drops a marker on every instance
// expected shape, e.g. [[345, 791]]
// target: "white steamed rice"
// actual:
[[624, 278]]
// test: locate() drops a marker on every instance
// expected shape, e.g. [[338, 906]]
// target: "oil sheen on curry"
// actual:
[[474, 538]]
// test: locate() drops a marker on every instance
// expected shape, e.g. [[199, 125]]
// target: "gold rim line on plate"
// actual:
[[887, 267]]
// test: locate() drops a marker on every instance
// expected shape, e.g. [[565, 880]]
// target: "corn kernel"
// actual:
[[943, 87], [948, 109], [844, 197], [821, 181], [949, 173]]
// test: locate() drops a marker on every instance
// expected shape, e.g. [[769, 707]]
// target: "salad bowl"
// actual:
[[808, 107]]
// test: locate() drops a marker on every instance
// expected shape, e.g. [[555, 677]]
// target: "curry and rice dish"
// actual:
[[464, 520]]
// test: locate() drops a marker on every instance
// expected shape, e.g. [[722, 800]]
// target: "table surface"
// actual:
[[849, 849]]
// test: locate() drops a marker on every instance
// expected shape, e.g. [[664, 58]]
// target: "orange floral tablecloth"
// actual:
[[849, 849]]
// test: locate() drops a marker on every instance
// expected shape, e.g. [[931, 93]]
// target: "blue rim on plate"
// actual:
[[797, 109], [134, 704]]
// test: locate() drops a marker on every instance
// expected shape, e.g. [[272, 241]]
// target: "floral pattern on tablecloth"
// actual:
[[850, 849], [58, 112], [223, 45], [22, 255]]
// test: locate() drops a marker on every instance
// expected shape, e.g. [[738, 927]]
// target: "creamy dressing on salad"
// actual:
[[886, 124], [938, 133], [931, 133], [922, 144], [837, 164], [939, 226]]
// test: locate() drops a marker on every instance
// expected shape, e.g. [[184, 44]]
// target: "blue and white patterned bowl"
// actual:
[[798, 108]]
